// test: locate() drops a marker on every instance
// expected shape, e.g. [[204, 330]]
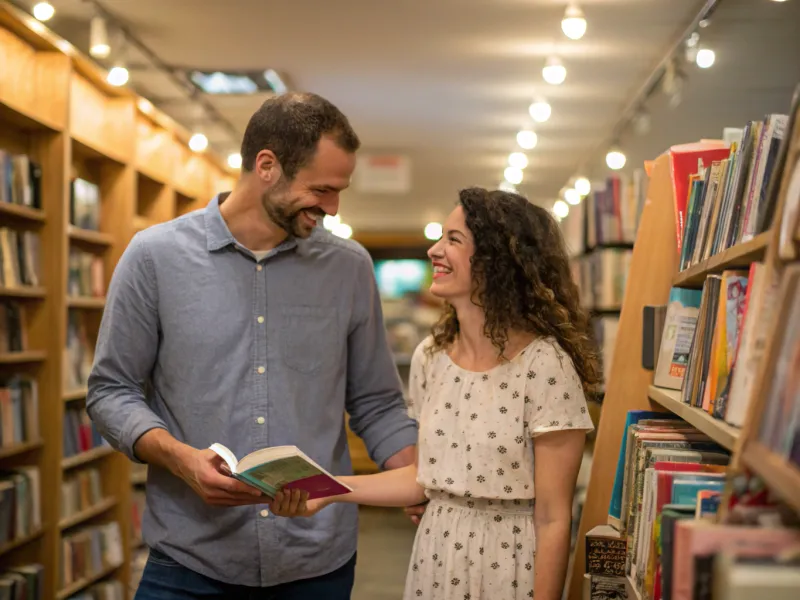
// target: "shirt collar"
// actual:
[[218, 235]]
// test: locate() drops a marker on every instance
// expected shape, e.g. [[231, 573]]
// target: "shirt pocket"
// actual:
[[309, 338]]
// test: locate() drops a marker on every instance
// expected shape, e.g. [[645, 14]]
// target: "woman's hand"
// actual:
[[295, 503]]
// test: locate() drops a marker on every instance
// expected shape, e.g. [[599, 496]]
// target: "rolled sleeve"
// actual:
[[374, 391], [127, 346]]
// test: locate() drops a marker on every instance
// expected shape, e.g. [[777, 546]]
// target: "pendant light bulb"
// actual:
[[98, 38], [235, 160], [574, 22], [518, 160], [554, 71], [705, 58], [43, 11], [540, 110], [583, 186], [433, 231], [527, 139], [615, 159], [572, 196], [560, 209], [513, 175], [118, 76], [198, 142]]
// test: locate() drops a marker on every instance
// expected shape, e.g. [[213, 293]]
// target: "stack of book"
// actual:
[[24, 581], [80, 491], [80, 434], [13, 335], [84, 204], [728, 201], [78, 353], [19, 258], [602, 276], [20, 180], [85, 276], [661, 541], [89, 552], [19, 411], [610, 213], [20, 503]]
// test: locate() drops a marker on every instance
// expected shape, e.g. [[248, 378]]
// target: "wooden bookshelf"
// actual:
[[738, 256], [56, 108], [21, 541], [719, 431], [653, 273]]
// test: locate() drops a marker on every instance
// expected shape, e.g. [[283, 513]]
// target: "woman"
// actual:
[[498, 392]]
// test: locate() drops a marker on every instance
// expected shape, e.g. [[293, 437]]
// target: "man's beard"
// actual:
[[279, 209]]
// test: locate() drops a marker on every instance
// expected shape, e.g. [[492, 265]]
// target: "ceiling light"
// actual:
[[198, 142], [507, 187], [574, 22], [705, 58], [433, 231], [554, 72], [117, 76], [560, 209], [518, 160], [527, 139], [615, 159], [513, 175], [329, 222], [572, 196], [235, 160], [98, 38], [342, 230], [583, 185], [540, 111], [43, 11]]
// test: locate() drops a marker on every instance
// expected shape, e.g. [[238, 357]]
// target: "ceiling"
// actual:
[[447, 83]]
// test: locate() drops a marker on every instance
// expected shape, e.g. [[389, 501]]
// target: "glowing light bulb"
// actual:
[[518, 160], [574, 22], [540, 111], [235, 160], [342, 230], [98, 38], [583, 185], [554, 72], [560, 209], [513, 175], [527, 139], [117, 76], [705, 58], [43, 11], [330, 222], [433, 231], [615, 159], [198, 142], [572, 196]]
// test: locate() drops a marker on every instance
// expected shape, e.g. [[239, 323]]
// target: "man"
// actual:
[[253, 327]]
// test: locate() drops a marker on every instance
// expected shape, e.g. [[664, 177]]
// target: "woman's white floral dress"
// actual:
[[476, 540]]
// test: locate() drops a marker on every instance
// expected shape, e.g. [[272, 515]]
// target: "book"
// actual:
[[279, 468]]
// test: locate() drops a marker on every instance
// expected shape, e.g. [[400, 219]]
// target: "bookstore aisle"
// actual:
[[695, 487]]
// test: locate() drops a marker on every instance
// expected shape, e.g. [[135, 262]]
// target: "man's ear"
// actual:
[[268, 168]]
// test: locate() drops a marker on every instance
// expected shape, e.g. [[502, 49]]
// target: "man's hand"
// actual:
[[415, 512], [209, 476]]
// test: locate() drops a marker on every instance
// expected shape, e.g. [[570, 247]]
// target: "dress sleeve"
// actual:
[[417, 381], [555, 400]]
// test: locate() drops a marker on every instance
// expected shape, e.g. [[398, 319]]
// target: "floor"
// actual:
[[384, 547]]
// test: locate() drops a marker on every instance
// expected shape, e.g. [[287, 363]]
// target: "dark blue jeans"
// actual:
[[165, 579]]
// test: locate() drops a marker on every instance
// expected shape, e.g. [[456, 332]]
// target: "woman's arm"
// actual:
[[557, 459], [395, 488]]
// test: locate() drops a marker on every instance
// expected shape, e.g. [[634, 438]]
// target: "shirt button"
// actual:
[[261, 370], [260, 420], [260, 319], [259, 268], [265, 513]]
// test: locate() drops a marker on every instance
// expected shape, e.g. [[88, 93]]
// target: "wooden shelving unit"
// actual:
[[56, 108], [719, 431], [653, 273]]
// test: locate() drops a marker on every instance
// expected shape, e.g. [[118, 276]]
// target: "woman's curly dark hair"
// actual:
[[522, 279]]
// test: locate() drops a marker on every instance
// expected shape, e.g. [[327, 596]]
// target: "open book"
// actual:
[[282, 468]]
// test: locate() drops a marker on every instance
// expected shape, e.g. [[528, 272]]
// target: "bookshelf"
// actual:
[[57, 110], [654, 272]]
